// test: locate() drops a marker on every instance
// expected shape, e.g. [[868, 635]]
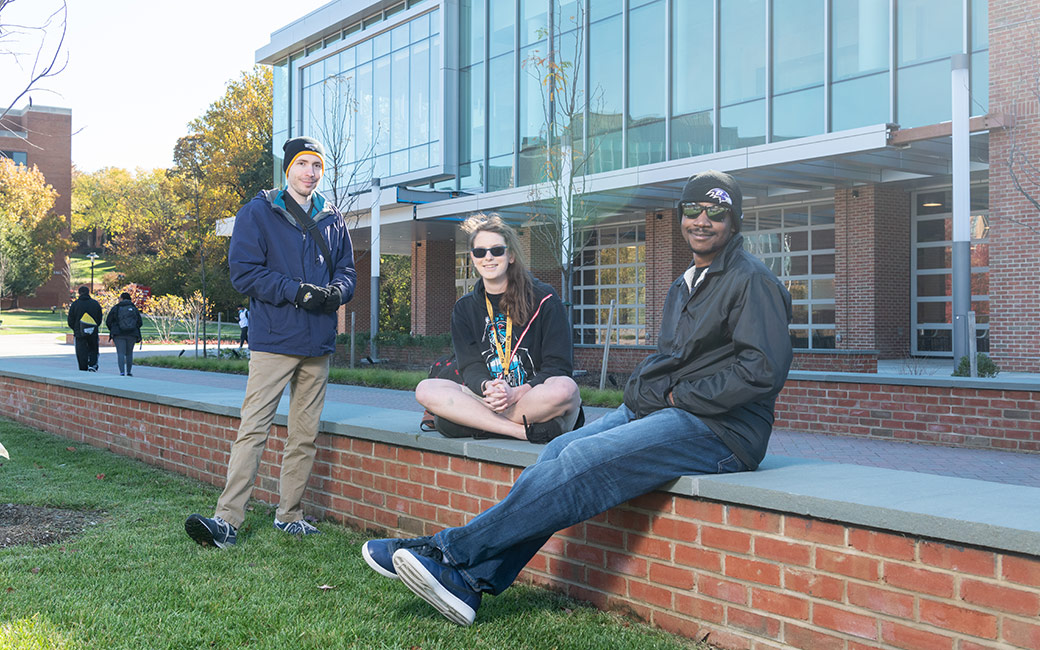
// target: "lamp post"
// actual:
[[93, 256]]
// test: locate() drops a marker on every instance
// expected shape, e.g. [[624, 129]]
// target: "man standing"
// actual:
[[292, 255], [85, 318], [243, 326], [703, 404]]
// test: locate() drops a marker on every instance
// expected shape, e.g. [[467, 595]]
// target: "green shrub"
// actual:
[[984, 366], [399, 340]]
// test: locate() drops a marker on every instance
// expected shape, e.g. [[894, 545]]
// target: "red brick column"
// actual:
[[872, 269], [667, 256], [542, 260], [1014, 235], [433, 286]]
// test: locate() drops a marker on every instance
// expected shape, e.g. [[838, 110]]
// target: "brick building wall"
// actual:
[[48, 145], [433, 286], [667, 256], [748, 578], [1014, 236], [872, 269]]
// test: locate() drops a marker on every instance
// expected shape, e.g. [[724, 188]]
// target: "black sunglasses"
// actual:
[[716, 213], [496, 251]]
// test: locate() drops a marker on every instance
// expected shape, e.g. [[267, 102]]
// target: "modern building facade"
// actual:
[[834, 116], [42, 136]]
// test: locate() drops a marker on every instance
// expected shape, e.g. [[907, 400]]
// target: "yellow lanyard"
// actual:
[[504, 354]]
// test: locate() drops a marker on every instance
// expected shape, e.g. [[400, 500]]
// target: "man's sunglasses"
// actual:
[[716, 213], [480, 252]]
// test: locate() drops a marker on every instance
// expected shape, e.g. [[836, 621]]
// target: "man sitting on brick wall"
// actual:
[[703, 404]]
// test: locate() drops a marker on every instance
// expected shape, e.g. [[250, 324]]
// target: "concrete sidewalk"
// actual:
[[979, 464]]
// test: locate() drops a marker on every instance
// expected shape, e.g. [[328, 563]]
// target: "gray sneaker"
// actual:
[[300, 527], [210, 532]]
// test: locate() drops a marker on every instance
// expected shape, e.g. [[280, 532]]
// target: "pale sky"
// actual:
[[139, 71]]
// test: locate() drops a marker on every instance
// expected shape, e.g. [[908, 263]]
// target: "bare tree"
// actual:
[[336, 123], [41, 60], [560, 212]]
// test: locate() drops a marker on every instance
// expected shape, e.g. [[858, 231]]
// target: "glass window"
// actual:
[[400, 36], [861, 101], [502, 27], [419, 95], [796, 115], [533, 116], [22, 158], [802, 256], [471, 114], [611, 266], [860, 35], [928, 29], [693, 78], [471, 36], [797, 44], [534, 21], [501, 98], [606, 101], [399, 104], [742, 51], [924, 94], [979, 83], [381, 104], [500, 173], [743, 125], [646, 87]]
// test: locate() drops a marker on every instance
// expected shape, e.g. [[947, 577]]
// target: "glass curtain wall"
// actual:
[[738, 73], [376, 102]]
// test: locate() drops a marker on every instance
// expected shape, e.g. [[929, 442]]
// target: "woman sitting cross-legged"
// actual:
[[514, 350]]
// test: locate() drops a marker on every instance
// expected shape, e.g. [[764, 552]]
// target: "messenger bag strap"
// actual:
[[308, 226]]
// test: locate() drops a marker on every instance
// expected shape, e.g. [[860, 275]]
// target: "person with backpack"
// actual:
[[514, 349], [124, 328], [243, 326], [85, 318]]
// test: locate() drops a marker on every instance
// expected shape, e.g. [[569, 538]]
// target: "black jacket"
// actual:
[[84, 305], [112, 322], [723, 352], [546, 351]]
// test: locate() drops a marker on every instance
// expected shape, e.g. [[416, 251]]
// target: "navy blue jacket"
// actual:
[[271, 256]]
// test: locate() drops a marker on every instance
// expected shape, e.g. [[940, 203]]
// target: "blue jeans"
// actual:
[[579, 475]]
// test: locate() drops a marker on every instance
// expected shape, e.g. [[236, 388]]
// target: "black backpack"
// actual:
[[127, 318], [447, 367]]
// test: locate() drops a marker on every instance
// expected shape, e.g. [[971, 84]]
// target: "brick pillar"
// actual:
[[433, 286], [1014, 234], [667, 256], [359, 304], [872, 269], [542, 259]]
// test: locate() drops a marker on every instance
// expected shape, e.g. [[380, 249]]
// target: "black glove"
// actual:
[[311, 297], [333, 299]]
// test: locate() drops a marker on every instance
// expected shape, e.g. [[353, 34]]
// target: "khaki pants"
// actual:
[[268, 373]]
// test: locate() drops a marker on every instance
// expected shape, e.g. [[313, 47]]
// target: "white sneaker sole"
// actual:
[[424, 585], [372, 564]]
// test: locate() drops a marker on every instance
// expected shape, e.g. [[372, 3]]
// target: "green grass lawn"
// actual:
[[81, 270], [33, 321], [135, 580]]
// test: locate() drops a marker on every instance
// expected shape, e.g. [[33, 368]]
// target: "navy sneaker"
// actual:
[[379, 553], [300, 527], [210, 532], [439, 585]]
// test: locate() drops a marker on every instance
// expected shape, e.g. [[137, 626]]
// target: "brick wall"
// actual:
[[824, 361], [1014, 236], [872, 269], [433, 286], [950, 416], [748, 578]]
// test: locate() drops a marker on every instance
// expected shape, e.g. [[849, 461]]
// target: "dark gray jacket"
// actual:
[[723, 352]]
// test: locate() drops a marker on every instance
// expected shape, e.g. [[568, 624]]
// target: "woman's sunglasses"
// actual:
[[496, 251], [716, 213]]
